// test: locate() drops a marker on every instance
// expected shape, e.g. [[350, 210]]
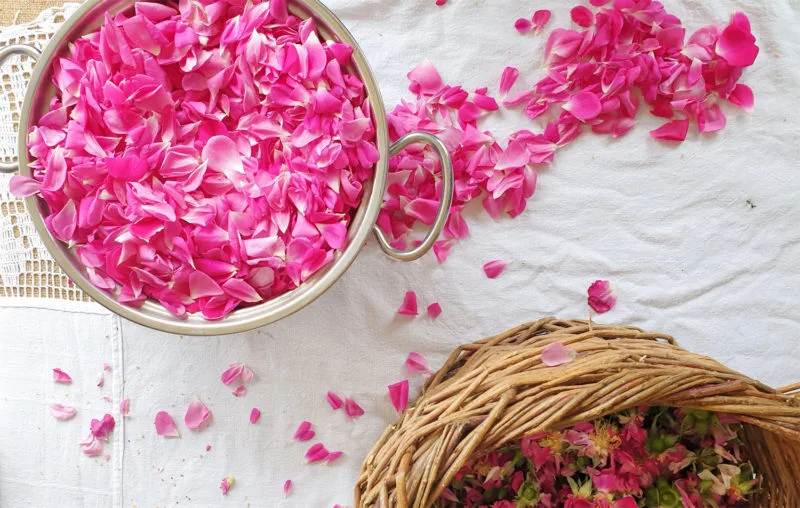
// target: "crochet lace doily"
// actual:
[[26, 268]]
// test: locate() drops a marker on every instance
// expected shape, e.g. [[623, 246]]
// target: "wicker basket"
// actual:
[[497, 390]]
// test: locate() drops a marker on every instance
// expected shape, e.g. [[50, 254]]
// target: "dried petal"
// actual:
[[316, 453], [255, 414], [602, 296], [434, 310], [59, 376], [416, 364], [556, 353]]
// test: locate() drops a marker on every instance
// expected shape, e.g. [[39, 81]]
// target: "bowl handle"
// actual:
[[444, 206], [5, 52]]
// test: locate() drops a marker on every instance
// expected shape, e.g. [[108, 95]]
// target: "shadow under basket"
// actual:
[[497, 390]]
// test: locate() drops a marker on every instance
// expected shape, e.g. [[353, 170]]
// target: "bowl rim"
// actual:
[[152, 314]]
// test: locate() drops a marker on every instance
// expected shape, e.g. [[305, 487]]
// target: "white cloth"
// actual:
[[669, 225]]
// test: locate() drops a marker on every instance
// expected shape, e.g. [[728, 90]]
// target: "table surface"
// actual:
[[670, 225], [22, 12]]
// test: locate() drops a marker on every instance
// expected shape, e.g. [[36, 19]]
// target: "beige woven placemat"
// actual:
[[22, 11]]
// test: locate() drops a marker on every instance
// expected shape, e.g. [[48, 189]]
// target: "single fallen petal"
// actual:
[[316, 453], [352, 409], [125, 407], [493, 269], [304, 432], [62, 412], [582, 16], [672, 131], [102, 428], [255, 414], [409, 306], [416, 364], [287, 487], [23, 186], [59, 376], [523, 25], [556, 353], [332, 456], [91, 446], [540, 19], [602, 296], [334, 400], [196, 414], [226, 484], [165, 425], [425, 78], [434, 310], [742, 96], [106, 366], [398, 393], [239, 391], [507, 79], [232, 373]]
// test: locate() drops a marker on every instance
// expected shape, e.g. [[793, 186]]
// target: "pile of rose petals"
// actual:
[[206, 154]]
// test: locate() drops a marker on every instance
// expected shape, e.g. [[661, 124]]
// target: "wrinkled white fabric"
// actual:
[[669, 225]]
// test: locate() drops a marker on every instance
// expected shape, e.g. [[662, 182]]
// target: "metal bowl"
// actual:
[[37, 98]]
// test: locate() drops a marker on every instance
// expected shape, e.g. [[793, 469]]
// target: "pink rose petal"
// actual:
[[91, 446], [416, 364], [540, 19], [106, 366], [434, 310], [59, 376], [237, 371], [602, 296], [316, 453], [398, 393], [304, 432], [23, 186], [737, 45], [742, 96], [165, 425], [226, 484], [332, 456], [557, 354], [507, 79], [125, 407], [425, 78], [582, 16], [493, 269], [62, 412], [255, 414], [523, 25], [672, 131], [584, 105], [196, 415], [287, 487], [352, 409], [239, 391], [102, 428], [334, 400], [409, 306], [208, 448], [222, 155]]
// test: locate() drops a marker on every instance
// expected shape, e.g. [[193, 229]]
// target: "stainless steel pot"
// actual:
[[37, 98]]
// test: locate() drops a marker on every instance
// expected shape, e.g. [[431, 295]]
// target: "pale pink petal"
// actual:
[[602, 296], [672, 131], [304, 432], [507, 79], [409, 306], [62, 412], [584, 105], [742, 96], [106, 366], [417, 364], [332, 456], [165, 425], [239, 391], [91, 446], [23, 186], [582, 16], [316, 453], [222, 155], [196, 415], [352, 409], [232, 373], [255, 414], [201, 285], [100, 379], [125, 407], [540, 19], [334, 400], [59, 376], [425, 78], [711, 119], [737, 45], [398, 393], [208, 448], [287, 487], [493, 269], [227, 482], [434, 310], [557, 354]]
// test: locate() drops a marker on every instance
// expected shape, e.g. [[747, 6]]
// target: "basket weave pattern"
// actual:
[[497, 390]]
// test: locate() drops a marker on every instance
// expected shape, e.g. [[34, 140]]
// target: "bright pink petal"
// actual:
[[316, 453], [222, 155], [232, 373], [226, 484], [102, 428], [672, 131], [91, 446], [398, 393], [125, 407], [507, 79], [540, 19], [201, 285], [557, 354], [737, 45], [711, 119], [100, 379], [287, 487], [255, 414], [584, 105], [334, 400], [59, 376], [493, 269], [62, 412], [304, 432], [582, 16], [165, 425], [23, 186], [196, 415], [742, 96], [626, 502], [332, 456], [602, 296], [425, 79], [434, 310], [352, 409], [417, 364], [409, 306], [523, 25], [239, 391]]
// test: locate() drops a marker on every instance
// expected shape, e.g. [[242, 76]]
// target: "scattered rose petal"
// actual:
[[100, 379], [91, 446], [196, 415], [59, 376], [304, 432], [62, 412], [582, 16], [398, 393], [332, 456], [556, 353], [102, 428], [602, 296], [255, 414], [106, 366], [165, 425], [352, 409], [409, 306], [239, 391], [523, 25], [125, 407], [416, 364], [237, 371], [507, 79], [287, 487], [208, 447], [23, 186], [434, 310], [672, 131], [493, 269], [226, 484], [334, 400], [742, 96], [316, 453], [540, 19]]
